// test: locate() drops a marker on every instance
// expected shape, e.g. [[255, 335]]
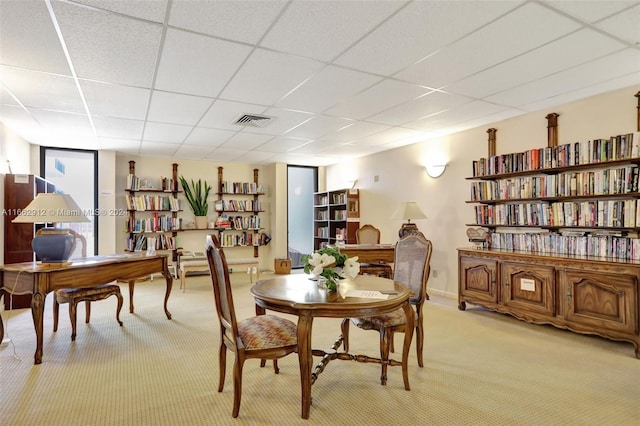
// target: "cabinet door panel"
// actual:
[[602, 300], [528, 287], [478, 279]]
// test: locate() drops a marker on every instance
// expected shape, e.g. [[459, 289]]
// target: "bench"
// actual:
[[202, 265]]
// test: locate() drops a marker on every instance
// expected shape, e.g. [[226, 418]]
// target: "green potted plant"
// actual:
[[197, 195]]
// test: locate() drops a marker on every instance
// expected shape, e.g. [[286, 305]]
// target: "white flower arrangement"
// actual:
[[329, 263]]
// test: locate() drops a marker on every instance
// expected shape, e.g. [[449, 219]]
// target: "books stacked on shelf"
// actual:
[[322, 200], [152, 202], [341, 233], [169, 185], [593, 214], [322, 215], [340, 215], [223, 221], [227, 187], [598, 245], [135, 183], [157, 223], [340, 198], [138, 242], [246, 222], [618, 180], [322, 232], [245, 239], [238, 205], [618, 147]]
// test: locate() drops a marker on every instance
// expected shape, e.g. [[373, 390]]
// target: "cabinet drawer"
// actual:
[[477, 279], [528, 287], [601, 300]]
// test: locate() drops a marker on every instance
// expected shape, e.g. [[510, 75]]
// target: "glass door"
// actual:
[[302, 182]]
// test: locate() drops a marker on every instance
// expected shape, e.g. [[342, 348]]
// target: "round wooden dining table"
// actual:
[[296, 294]]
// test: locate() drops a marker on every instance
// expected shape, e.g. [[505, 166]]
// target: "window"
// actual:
[[302, 182]]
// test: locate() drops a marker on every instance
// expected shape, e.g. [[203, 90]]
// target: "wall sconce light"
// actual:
[[435, 170]]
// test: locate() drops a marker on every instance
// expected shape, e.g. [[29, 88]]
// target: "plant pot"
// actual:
[[201, 222]]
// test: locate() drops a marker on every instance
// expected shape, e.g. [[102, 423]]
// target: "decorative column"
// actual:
[[492, 142], [552, 129]]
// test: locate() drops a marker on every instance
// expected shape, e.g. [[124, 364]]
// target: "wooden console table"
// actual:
[[39, 280], [370, 253]]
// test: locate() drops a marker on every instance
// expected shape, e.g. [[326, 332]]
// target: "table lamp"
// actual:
[[52, 245], [406, 211]]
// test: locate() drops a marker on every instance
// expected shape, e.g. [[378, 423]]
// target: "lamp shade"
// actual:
[[52, 245], [408, 210], [51, 208]]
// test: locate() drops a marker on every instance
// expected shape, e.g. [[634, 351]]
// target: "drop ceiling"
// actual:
[[337, 79]]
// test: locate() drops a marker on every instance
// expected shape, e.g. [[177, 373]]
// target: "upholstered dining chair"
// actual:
[[73, 296], [263, 336], [369, 234], [411, 267]]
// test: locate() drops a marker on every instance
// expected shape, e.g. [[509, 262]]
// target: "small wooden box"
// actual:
[[282, 265]]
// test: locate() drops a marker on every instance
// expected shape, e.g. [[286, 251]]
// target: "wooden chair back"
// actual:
[[411, 264], [222, 291], [367, 234]]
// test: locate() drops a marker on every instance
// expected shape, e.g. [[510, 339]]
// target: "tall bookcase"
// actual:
[[336, 214], [19, 190], [152, 209], [238, 207], [564, 244]]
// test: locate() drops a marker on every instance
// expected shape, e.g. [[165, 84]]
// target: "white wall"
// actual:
[[401, 177]]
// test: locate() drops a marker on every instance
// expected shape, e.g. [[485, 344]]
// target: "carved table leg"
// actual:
[[169, 279], [37, 312], [132, 284], [305, 357]]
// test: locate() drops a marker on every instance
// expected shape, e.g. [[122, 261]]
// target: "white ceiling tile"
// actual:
[[469, 111], [163, 132], [221, 18], [115, 100], [194, 152], [63, 123], [201, 69], [302, 29], [224, 113], [517, 32], [28, 38], [625, 25], [591, 10], [391, 135], [316, 147], [118, 128], [355, 131], [246, 141], [208, 137], [626, 61], [282, 144], [283, 120], [538, 63], [149, 10], [42, 90], [226, 155], [318, 126], [429, 104], [382, 96], [109, 47], [20, 121], [121, 145], [256, 156], [5, 96], [267, 76], [628, 80], [419, 29], [328, 87], [157, 149], [177, 108]]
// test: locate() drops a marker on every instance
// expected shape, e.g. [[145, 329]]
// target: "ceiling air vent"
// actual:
[[252, 120]]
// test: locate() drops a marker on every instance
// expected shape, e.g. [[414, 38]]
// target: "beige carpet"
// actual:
[[481, 368]]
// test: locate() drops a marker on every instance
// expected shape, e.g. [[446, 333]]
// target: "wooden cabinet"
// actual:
[[152, 211], [336, 215], [19, 190], [582, 295], [238, 207]]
